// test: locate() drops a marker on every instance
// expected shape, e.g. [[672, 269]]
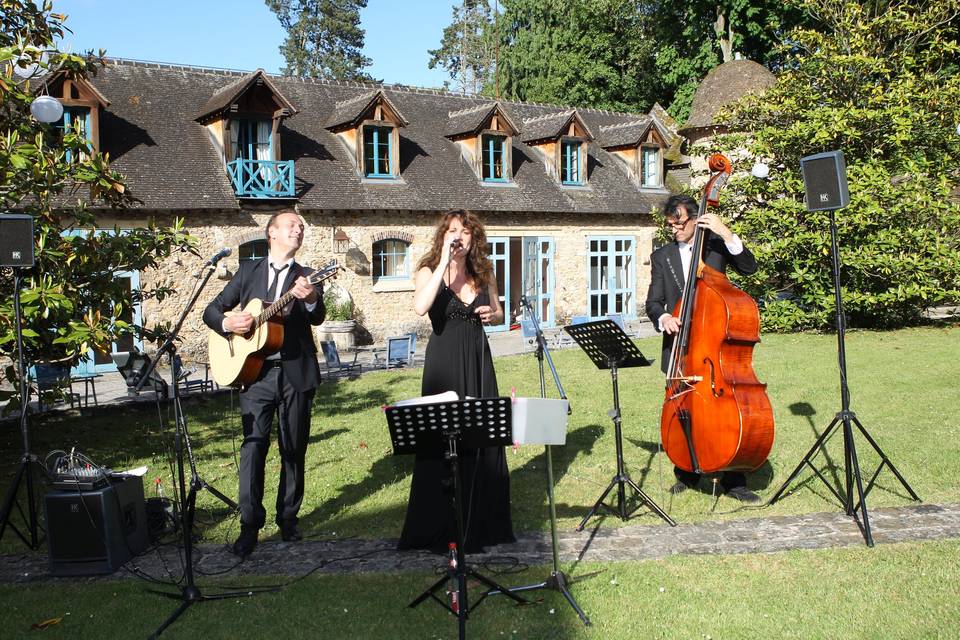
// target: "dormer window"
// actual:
[[571, 166], [645, 147], [378, 151], [244, 121], [651, 174], [483, 133], [368, 125], [562, 140], [82, 105], [494, 158]]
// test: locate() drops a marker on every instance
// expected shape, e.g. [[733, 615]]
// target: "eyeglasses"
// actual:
[[677, 222]]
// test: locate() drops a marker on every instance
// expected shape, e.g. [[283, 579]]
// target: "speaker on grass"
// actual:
[[95, 532], [16, 240], [825, 181]]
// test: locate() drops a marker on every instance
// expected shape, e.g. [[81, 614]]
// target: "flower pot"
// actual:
[[340, 331]]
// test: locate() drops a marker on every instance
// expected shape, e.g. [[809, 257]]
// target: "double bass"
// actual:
[[716, 415]]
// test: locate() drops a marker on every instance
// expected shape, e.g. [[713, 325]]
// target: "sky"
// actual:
[[246, 35]]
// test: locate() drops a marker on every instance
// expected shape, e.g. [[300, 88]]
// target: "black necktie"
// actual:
[[272, 295]]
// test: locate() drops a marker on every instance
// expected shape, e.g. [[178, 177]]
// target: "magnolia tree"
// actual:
[[71, 303], [880, 82]]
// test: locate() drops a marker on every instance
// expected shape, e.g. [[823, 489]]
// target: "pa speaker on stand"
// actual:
[[825, 179]]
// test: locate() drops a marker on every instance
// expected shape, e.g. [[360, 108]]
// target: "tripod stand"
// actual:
[[847, 419], [557, 581], [610, 348], [482, 422], [24, 473], [190, 594]]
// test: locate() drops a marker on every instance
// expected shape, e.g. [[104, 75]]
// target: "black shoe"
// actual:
[[245, 543], [290, 533], [743, 494], [678, 488]]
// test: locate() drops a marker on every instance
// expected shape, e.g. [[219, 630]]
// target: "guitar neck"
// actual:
[[328, 271]]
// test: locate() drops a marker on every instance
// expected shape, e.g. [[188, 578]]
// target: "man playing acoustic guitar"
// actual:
[[287, 380]]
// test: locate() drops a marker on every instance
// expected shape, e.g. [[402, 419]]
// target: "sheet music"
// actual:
[[446, 396]]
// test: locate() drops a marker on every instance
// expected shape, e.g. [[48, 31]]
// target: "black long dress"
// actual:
[[458, 359]]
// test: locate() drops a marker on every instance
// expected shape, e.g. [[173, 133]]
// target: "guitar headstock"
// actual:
[[326, 272]]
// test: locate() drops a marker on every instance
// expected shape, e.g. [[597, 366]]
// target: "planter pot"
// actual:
[[340, 331]]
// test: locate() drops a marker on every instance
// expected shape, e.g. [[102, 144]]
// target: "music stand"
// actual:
[[442, 426], [610, 348]]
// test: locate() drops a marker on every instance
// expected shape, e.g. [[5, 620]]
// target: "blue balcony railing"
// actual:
[[261, 178]]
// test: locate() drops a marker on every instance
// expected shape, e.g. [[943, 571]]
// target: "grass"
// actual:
[[901, 386], [902, 391], [893, 591]]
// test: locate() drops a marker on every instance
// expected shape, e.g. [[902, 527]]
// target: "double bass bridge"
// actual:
[[682, 385]]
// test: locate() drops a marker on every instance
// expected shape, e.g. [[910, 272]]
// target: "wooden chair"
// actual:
[[331, 360]]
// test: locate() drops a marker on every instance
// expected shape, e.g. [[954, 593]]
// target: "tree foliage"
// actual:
[[616, 54], [692, 37], [64, 297], [880, 82], [467, 50], [324, 38], [586, 52]]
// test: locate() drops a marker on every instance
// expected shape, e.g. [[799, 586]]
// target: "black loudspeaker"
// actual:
[[16, 240], [95, 532], [825, 181]]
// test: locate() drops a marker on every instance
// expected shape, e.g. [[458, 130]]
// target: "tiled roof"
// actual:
[[171, 163]]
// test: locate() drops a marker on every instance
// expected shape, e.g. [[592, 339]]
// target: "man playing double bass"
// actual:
[[669, 266]]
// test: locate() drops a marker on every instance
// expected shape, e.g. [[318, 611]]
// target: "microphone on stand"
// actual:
[[212, 262], [220, 255]]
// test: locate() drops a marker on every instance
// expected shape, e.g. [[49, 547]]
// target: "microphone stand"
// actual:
[[558, 580], [190, 593]]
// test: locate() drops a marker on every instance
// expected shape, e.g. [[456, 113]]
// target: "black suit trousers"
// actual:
[[272, 395]]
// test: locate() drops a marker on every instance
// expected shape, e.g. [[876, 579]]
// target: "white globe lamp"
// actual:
[[46, 109]]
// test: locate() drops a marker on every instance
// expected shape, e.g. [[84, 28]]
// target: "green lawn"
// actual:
[[891, 591], [902, 391]]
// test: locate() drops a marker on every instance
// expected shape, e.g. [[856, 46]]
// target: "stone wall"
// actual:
[[384, 308]]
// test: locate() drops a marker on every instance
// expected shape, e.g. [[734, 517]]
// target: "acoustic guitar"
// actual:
[[236, 360]]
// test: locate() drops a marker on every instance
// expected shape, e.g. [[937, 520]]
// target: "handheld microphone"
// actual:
[[454, 244], [220, 255]]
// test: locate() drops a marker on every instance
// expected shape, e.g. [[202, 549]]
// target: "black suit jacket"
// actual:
[[666, 280], [298, 352]]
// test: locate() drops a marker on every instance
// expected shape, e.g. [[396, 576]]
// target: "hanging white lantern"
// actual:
[[46, 109]]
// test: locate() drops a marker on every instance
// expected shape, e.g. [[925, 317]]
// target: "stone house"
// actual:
[[567, 194]]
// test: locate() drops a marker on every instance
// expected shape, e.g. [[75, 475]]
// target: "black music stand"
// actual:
[[610, 348], [441, 426]]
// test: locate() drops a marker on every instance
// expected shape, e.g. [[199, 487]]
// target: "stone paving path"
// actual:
[[601, 544]]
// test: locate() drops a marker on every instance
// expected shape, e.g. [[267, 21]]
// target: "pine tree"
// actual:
[[324, 38], [467, 48]]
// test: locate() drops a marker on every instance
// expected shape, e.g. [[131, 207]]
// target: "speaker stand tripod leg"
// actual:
[[884, 460], [807, 460]]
